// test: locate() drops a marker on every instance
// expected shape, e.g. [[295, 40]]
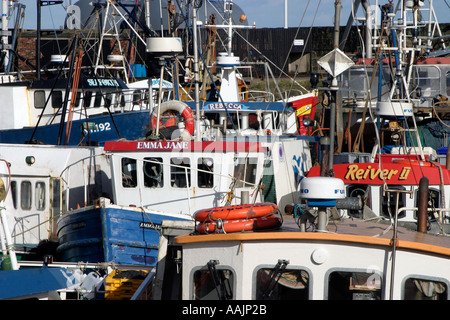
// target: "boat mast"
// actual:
[[196, 78], [39, 4], [5, 15]]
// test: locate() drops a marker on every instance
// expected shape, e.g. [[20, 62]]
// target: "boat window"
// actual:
[[87, 96], [434, 197], [292, 284], [129, 174], [56, 202], [40, 195], [421, 289], [211, 283], [77, 99], [136, 98], [121, 100], [205, 173], [448, 84], [361, 191], [428, 79], [98, 100], [57, 99], [14, 193], [39, 99], [354, 285], [153, 172], [25, 195], [245, 172], [389, 199], [180, 172], [108, 100]]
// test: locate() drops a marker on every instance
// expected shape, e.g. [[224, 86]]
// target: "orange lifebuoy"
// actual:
[[181, 108], [412, 162], [244, 211], [239, 225]]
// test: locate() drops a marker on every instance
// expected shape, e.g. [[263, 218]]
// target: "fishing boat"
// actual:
[[319, 253], [311, 257], [387, 177]]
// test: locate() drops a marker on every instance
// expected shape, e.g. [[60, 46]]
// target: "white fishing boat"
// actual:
[[312, 257], [319, 253]]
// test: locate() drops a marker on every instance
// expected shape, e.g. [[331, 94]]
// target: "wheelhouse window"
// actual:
[[40, 195], [98, 100], [14, 193], [245, 172], [276, 284], [153, 172], [211, 283], [434, 197], [354, 285], [180, 172], [422, 289], [389, 199], [25, 195], [129, 173], [39, 99], [87, 96], [361, 191], [57, 99], [205, 174], [136, 98]]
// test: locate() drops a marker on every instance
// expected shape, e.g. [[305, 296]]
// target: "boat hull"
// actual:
[[123, 235], [131, 125]]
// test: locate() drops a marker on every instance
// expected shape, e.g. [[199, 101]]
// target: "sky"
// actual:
[[264, 13]]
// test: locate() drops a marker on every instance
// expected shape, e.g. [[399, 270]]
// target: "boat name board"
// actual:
[[149, 225], [203, 146], [355, 172], [102, 83]]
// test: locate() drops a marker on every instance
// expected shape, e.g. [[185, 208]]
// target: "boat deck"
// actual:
[[347, 230]]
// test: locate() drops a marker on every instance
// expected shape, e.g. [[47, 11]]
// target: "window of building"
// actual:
[[245, 172], [211, 283], [153, 172], [57, 99], [422, 289], [354, 285], [25, 195], [129, 173], [276, 284], [180, 172], [205, 175], [39, 99], [40, 195]]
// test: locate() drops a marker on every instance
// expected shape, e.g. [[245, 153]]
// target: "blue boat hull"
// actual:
[[111, 234], [131, 125]]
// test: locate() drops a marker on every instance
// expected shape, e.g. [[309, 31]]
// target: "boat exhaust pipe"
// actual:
[[422, 205]]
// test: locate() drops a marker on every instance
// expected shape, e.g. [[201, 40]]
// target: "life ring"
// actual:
[[243, 211], [413, 162], [181, 108], [239, 225]]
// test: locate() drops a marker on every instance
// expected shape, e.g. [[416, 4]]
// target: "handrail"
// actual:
[[143, 291]]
